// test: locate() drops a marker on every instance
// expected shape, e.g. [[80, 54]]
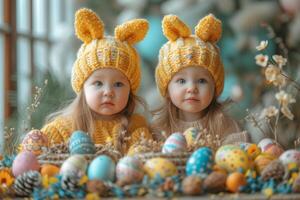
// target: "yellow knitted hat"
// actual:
[[99, 51], [184, 50]]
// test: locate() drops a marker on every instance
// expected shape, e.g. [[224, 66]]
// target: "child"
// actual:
[[190, 77], [105, 77]]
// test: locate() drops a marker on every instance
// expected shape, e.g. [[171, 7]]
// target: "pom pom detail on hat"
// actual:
[[174, 28]]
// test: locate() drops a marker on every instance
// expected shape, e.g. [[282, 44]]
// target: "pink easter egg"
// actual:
[[24, 162]]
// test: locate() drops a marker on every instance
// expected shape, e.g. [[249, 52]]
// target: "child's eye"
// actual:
[[98, 83], [202, 80], [180, 81], [119, 84]]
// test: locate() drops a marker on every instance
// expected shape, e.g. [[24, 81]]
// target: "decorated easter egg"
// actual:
[[129, 170], [174, 143], [232, 158], [265, 143], [102, 168], [274, 149], [190, 135], [200, 162], [34, 141], [49, 170], [81, 143], [290, 156], [74, 164], [262, 160], [235, 181], [25, 161], [160, 166]]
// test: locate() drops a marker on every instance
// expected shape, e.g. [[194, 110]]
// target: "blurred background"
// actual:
[[38, 47]]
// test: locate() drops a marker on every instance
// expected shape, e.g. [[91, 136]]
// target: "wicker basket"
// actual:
[[178, 158], [59, 158]]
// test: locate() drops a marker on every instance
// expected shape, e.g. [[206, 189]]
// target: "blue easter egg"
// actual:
[[81, 143], [200, 163], [149, 47], [102, 168]]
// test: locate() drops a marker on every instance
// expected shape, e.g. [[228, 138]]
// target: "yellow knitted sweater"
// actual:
[[60, 130]]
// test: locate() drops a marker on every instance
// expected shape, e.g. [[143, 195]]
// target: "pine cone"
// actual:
[[25, 183], [273, 170], [70, 182]]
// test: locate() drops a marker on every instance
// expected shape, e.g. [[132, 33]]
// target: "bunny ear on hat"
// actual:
[[132, 31], [88, 25], [209, 29], [174, 28]]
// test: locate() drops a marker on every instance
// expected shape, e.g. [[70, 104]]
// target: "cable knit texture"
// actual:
[[99, 51], [60, 130], [184, 50]]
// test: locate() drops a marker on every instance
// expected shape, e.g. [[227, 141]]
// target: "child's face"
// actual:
[[191, 90], [107, 91]]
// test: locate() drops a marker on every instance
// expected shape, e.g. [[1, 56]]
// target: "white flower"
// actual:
[[286, 112], [262, 60], [269, 112], [271, 73], [263, 44], [284, 98], [281, 61]]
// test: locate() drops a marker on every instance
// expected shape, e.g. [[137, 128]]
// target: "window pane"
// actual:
[[1, 11], [23, 74], [22, 16], [39, 21], [40, 59], [55, 16], [1, 92]]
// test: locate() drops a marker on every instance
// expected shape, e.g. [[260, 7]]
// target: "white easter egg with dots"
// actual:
[[290, 156]]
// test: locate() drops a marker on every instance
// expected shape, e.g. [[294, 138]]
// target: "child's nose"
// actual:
[[108, 91], [192, 88]]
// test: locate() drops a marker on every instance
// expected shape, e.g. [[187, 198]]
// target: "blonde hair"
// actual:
[[215, 119], [82, 117]]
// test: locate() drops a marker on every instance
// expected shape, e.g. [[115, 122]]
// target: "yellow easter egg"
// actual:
[[190, 135], [160, 166], [232, 158]]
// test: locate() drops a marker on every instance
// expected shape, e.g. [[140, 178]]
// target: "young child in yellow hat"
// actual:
[[190, 77], [105, 77]]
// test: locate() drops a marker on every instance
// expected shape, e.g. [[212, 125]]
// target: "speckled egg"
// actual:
[[232, 158], [262, 160], [190, 135], [160, 166], [290, 156], [49, 170], [265, 143], [81, 143], [129, 170], [34, 141], [200, 162], [74, 164], [102, 168], [24, 162], [274, 149], [174, 143]]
